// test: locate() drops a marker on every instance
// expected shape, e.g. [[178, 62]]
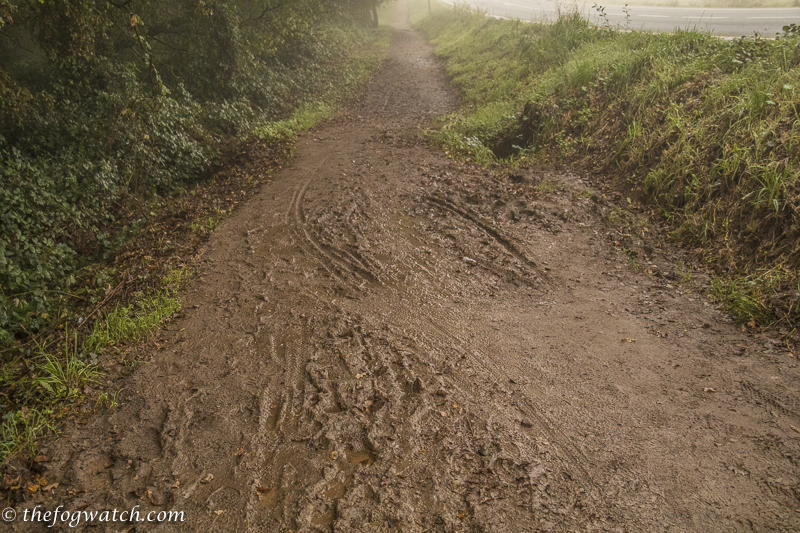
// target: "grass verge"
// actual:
[[705, 129]]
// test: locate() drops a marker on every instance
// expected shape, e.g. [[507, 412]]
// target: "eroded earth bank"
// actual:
[[386, 340]]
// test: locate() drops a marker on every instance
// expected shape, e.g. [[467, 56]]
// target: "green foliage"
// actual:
[[103, 101], [35, 391], [105, 105], [176, 278], [110, 401]]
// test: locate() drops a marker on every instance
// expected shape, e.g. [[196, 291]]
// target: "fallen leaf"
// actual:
[[628, 340], [152, 499], [50, 487], [220, 512], [795, 429], [10, 482], [208, 478], [239, 452], [33, 488], [709, 389]]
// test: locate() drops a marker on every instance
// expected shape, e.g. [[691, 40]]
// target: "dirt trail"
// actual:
[[385, 340]]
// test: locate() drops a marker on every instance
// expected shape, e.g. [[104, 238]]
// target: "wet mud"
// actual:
[[387, 340]]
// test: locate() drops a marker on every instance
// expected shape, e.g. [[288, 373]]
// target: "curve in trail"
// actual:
[[342, 367]]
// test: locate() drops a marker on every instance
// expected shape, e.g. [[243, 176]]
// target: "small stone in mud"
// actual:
[[442, 393], [418, 386], [483, 450], [526, 423], [470, 261]]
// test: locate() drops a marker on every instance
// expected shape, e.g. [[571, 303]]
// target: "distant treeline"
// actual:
[[101, 100]]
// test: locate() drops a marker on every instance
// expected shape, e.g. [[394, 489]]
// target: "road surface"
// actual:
[[730, 22]]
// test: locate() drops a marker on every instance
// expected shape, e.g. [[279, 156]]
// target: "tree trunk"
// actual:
[[375, 15]]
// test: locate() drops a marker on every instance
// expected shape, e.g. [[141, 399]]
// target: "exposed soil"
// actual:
[[387, 340]]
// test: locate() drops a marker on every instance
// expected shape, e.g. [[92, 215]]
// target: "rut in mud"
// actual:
[[386, 340]]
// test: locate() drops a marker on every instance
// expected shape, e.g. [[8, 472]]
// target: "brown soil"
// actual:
[[387, 340]]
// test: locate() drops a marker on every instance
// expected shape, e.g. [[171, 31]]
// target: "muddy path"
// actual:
[[386, 340]]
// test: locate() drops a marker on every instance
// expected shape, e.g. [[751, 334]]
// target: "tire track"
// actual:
[[752, 392], [501, 239], [332, 259]]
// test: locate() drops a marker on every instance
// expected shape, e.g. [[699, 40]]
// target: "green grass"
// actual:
[[20, 433], [64, 380], [549, 186], [176, 277], [355, 67], [707, 130], [682, 274], [51, 382], [107, 400], [42, 388], [742, 300], [206, 225], [133, 322]]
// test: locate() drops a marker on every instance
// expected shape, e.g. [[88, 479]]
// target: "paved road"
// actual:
[[733, 22]]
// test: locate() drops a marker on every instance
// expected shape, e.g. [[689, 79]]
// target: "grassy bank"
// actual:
[[706, 129], [68, 319]]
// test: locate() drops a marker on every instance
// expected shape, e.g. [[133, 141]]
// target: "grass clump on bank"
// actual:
[[47, 385], [44, 385], [706, 129], [132, 322]]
